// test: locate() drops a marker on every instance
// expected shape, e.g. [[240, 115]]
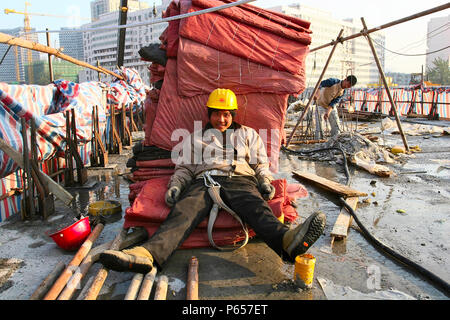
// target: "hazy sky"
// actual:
[[409, 37]]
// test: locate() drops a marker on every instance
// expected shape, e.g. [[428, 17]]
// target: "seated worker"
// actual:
[[245, 185], [328, 97]]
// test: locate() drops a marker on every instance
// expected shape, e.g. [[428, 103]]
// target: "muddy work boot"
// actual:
[[298, 240], [136, 259]]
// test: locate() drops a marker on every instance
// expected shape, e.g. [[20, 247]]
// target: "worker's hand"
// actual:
[[172, 196], [327, 114], [267, 191]]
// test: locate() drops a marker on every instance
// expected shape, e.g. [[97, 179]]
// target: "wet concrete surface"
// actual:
[[255, 272]]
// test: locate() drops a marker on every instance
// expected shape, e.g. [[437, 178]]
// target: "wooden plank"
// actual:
[[16, 41], [55, 188], [344, 220], [329, 185], [161, 288], [147, 284], [134, 287], [43, 288]]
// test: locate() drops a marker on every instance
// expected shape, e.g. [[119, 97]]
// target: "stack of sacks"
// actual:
[[257, 53]]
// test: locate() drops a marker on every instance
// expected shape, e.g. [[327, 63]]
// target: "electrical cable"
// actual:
[[162, 20], [410, 55], [433, 279]]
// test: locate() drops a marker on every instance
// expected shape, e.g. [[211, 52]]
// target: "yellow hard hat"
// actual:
[[222, 99]]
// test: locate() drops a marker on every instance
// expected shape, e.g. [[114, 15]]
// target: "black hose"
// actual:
[[431, 277], [298, 152], [435, 280]]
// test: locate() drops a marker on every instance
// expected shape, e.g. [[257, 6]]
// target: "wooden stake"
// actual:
[[102, 274], [383, 77], [134, 287], [79, 256], [315, 89], [161, 289], [147, 284], [40, 292], [55, 188], [131, 239]]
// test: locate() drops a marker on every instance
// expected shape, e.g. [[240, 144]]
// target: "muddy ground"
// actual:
[[352, 269]]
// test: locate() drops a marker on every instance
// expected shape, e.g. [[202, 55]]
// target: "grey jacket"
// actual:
[[238, 151]]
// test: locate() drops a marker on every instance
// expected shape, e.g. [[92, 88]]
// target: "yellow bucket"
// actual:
[[304, 270], [105, 208]]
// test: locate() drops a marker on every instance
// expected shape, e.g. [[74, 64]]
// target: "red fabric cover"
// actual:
[[278, 23], [259, 39], [170, 38], [202, 69], [160, 163], [156, 72], [256, 110], [149, 210]]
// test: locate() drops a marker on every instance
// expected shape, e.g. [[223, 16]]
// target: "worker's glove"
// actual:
[[172, 196], [267, 191]]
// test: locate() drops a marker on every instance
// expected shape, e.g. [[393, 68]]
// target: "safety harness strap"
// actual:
[[214, 193]]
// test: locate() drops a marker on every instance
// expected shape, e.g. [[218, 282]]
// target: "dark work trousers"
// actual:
[[241, 194]]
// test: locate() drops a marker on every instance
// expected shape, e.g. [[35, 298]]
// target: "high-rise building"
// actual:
[[99, 7], [351, 57], [438, 37], [72, 44], [101, 45], [12, 69], [61, 70]]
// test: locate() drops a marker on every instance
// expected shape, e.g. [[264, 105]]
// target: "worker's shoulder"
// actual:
[[330, 82]]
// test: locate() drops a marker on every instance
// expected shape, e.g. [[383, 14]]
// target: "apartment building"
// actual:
[[15, 59], [71, 44], [101, 45], [99, 7], [438, 37]]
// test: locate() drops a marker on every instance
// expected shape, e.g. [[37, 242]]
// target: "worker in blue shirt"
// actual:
[[328, 97]]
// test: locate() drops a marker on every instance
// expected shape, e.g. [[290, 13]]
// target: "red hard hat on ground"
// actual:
[[72, 237]]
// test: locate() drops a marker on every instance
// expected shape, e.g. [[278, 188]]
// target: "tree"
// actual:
[[439, 73]]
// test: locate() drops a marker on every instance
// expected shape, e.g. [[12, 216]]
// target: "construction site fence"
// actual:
[[431, 102]]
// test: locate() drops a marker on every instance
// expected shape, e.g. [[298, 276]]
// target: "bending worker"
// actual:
[[239, 169], [328, 97]]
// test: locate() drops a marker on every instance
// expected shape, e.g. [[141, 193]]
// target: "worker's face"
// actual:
[[221, 120], [346, 84]]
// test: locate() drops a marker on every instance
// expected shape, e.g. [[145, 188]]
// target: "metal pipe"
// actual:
[[147, 285], [50, 62], [134, 286], [192, 280], [387, 25], [388, 91]]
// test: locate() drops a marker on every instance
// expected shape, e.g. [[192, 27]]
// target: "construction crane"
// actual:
[[27, 29]]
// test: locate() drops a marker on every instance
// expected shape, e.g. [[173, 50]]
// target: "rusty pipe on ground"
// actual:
[[72, 266], [192, 280]]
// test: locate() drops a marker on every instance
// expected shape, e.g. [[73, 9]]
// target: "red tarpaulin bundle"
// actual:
[[257, 53], [258, 35], [260, 111]]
